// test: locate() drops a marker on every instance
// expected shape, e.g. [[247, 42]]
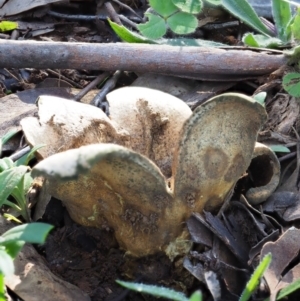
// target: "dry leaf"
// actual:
[[283, 251]]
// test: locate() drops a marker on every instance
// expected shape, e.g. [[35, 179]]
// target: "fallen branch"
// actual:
[[192, 62]]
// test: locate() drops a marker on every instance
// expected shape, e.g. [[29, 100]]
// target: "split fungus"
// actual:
[[266, 169], [126, 186]]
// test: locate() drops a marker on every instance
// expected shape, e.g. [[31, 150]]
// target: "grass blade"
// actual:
[[289, 289], [254, 280]]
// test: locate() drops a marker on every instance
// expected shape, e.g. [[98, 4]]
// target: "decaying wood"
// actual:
[[192, 62]]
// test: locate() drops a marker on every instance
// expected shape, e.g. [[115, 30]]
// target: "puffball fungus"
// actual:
[[119, 186]]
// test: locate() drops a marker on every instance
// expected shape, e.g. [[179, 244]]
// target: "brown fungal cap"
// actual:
[[116, 187], [266, 163], [153, 120], [215, 149]]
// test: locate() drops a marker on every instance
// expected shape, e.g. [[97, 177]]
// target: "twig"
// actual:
[[112, 13], [100, 99], [128, 8], [102, 17], [205, 63], [218, 26], [16, 156], [291, 155], [4, 36], [91, 85], [127, 21], [60, 76]]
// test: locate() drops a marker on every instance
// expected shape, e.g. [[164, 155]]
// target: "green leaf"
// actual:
[[291, 84], [34, 233], [282, 16], [261, 41], [6, 263], [165, 8], [254, 280], [27, 181], [155, 28], [13, 248], [250, 40], [292, 287], [190, 42], [6, 163], [295, 26], [279, 148], [9, 179], [244, 11], [24, 160], [128, 36], [8, 135], [189, 6], [12, 205], [11, 217], [2, 288], [214, 2], [154, 290], [8, 25], [19, 194], [196, 296], [183, 23], [260, 98], [293, 56]]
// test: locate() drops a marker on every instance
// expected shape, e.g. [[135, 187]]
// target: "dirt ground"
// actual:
[[90, 259]]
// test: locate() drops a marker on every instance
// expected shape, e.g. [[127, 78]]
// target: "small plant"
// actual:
[[12, 241], [8, 26], [270, 35], [284, 33], [15, 181], [178, 15]]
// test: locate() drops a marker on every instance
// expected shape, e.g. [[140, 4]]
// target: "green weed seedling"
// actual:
[[12, 241], [285, 32], [178, 15], [270, 36], [15, 181], [291, 81]]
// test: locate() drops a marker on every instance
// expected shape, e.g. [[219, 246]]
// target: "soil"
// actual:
[[91, 259]]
